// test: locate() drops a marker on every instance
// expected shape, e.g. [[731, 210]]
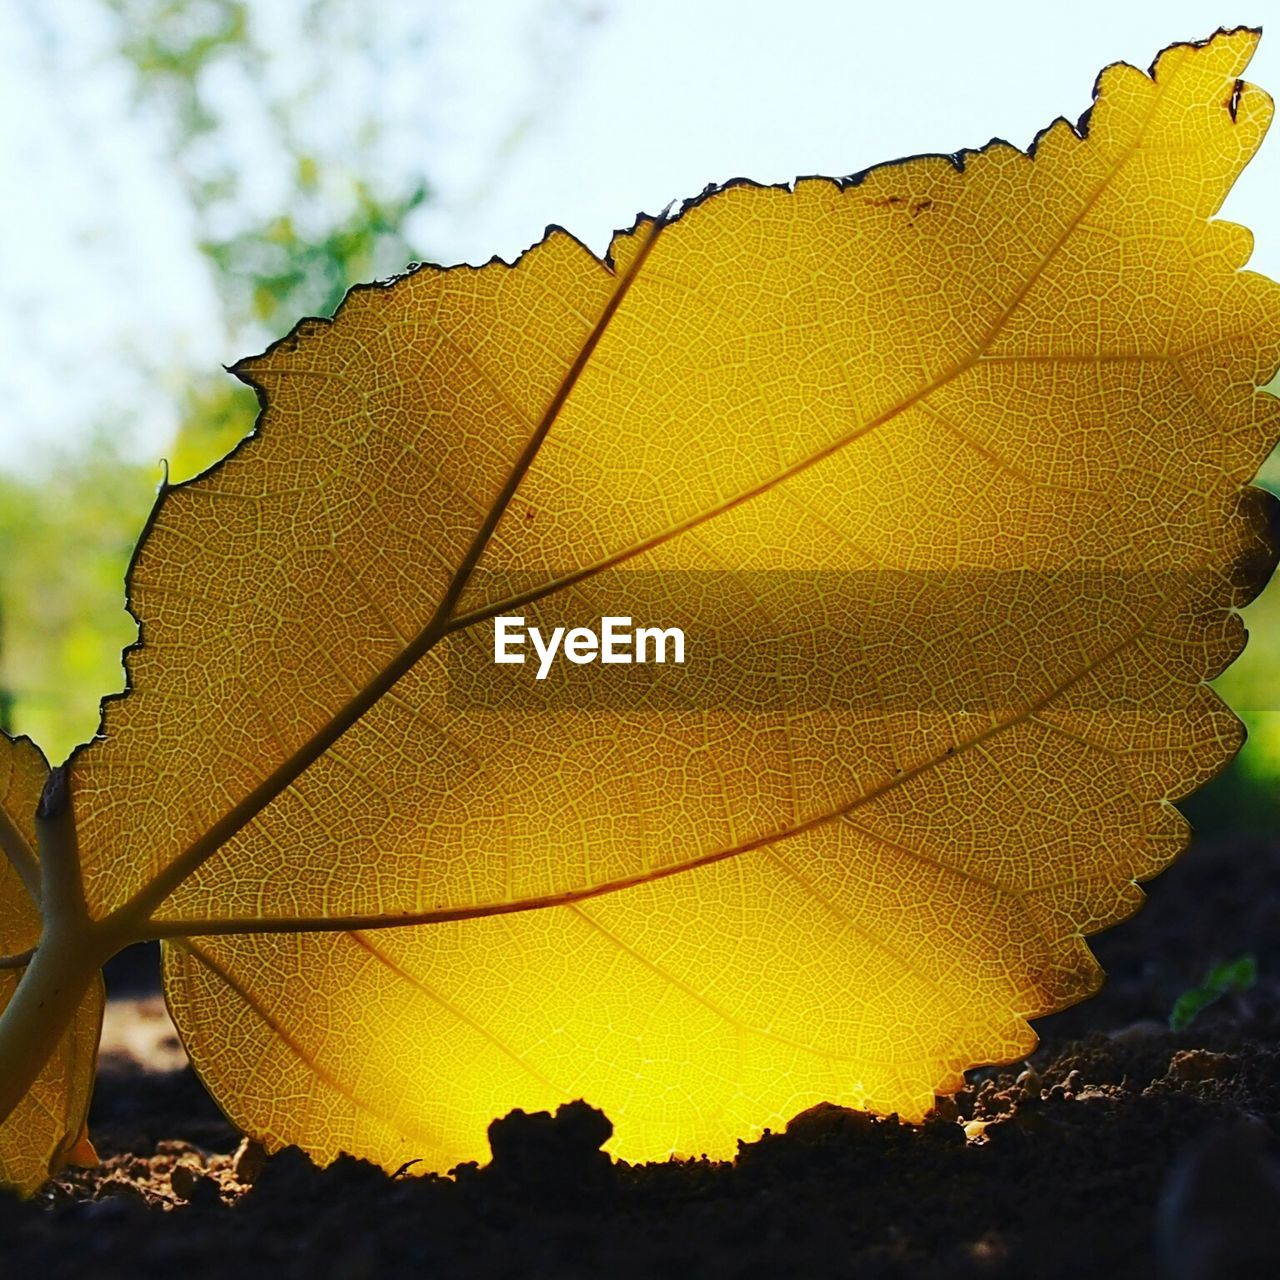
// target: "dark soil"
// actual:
[[1118, 1150]]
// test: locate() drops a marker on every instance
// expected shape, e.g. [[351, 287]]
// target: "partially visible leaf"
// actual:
[[48, 1128], [1231, 977], [944, 472]]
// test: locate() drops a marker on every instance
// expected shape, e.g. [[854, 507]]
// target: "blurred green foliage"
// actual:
[[64, 543]]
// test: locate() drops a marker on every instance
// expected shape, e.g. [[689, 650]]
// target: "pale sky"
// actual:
[[104, 305]]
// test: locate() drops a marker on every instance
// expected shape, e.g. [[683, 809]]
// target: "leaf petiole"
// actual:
[[71, 951]]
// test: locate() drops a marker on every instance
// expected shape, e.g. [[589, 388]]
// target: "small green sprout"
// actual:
[[1229, 977]]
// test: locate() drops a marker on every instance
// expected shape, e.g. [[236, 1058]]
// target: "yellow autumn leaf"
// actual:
[[47, 1129], [943, 474]]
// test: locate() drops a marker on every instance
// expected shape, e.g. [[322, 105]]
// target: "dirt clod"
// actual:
[[556, 1157], [248, 1162], [1199, 1064], [196, 1188], [826, 1122]]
